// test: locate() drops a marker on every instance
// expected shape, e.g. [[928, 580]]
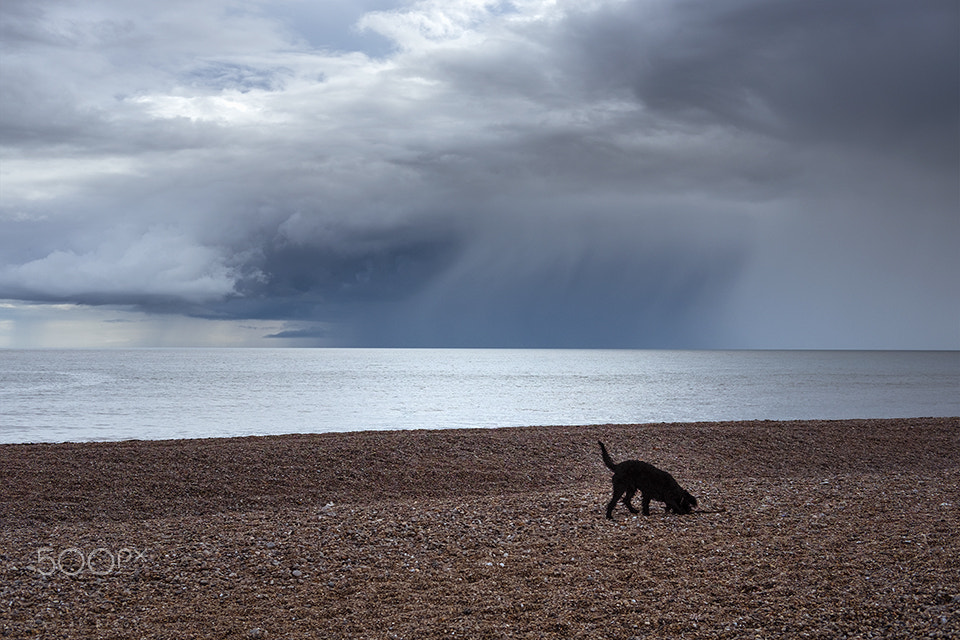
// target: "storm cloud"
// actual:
[[469, 173]]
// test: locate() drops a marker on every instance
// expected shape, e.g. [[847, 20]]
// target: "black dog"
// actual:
[[631, 476]]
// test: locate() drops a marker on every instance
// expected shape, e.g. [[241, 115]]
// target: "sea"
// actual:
[[153, 394]]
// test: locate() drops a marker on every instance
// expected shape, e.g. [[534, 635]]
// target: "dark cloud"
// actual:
[[806, 66], [696, 174], [310, 334]]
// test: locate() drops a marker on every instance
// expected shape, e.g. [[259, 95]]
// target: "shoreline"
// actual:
[[834, 528], [593, 425]]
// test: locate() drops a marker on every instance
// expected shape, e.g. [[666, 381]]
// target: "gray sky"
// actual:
[[650, 174]]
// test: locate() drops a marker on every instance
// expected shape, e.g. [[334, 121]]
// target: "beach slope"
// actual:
[[825, 529]]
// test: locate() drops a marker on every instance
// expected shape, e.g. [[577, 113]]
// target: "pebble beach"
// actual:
[[806, 529]]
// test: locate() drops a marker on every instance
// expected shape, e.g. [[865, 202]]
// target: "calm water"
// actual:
[[76, 395]]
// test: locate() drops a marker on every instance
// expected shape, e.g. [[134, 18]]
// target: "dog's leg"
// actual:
[[627, 500], [618, 491], [645, 504]]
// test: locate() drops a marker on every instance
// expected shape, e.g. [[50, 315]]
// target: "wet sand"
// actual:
[[826, 529]]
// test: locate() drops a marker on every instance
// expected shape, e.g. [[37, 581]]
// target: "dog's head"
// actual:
[[687, 502]]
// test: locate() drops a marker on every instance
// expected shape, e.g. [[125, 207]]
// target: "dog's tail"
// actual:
[[606, 457]]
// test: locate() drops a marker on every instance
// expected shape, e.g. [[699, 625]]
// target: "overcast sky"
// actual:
[[582, 173]]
